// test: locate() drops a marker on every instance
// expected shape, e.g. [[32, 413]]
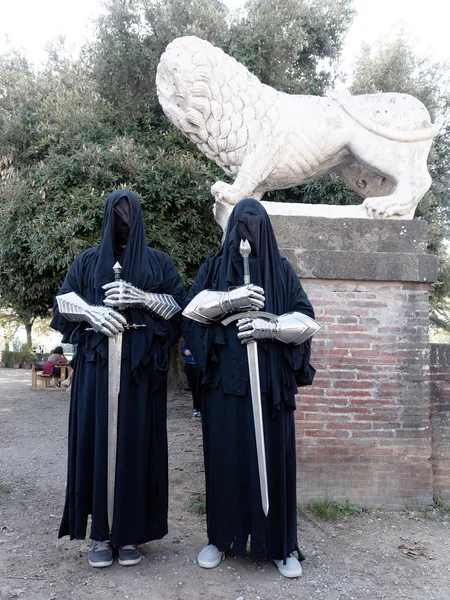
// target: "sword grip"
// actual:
[[246, 271], [117, 268], [244, 250]]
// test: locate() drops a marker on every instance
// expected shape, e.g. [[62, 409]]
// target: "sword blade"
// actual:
[[114, 365], [253, 367]]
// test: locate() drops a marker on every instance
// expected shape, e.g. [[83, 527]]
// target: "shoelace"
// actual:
[[100, 546]]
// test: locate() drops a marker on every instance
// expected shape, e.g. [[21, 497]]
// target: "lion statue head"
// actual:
[[214, 100]]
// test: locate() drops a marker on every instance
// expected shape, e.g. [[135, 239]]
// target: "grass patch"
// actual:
[[330, 510], [197, 504], [427, 512], [4, 488], [441, 507]]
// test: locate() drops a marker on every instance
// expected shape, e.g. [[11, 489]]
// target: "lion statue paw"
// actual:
[[224, 192]]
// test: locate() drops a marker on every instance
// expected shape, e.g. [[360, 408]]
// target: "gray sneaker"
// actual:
[[129, 555], [100, 554]]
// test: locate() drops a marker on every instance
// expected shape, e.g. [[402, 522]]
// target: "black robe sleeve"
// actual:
[[199, 337]]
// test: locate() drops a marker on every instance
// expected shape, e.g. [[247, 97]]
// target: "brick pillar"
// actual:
[[363, 428], [440, 418]]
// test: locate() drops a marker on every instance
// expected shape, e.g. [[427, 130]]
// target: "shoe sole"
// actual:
[[288, 574], [105, 563], [291, 575], [130, 562]]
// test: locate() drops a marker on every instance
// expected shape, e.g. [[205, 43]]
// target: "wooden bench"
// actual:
[[37, 375]]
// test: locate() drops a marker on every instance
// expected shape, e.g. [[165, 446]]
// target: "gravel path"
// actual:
[[356, 558]]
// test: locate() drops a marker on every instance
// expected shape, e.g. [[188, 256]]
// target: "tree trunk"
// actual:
[[28, 327]]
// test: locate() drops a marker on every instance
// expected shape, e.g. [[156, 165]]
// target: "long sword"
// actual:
[[163, 305], [310, 327], [255, 387], [114, 368]]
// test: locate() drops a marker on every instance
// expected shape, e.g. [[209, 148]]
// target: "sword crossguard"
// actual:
[[134, 326], [250, 314]]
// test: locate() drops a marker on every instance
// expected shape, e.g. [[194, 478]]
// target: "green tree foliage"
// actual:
[[9, 324], [61, 155], [43, 117], [292, 46], [130, 39]]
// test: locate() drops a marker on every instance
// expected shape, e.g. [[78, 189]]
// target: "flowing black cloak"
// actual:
[[233, 499], [141, 500]]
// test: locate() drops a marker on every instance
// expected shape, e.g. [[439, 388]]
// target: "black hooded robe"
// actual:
[[141, 499], [233, 500]]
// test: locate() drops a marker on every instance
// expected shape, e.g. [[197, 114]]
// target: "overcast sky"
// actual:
[[29, 24]]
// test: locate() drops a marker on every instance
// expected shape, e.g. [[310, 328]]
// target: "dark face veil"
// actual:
[[121, 224]]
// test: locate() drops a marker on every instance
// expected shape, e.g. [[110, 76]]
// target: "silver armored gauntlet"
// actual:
[[102, 318], [209, 306], [295, 328], [162, 304], [122, 295], [291, 328]]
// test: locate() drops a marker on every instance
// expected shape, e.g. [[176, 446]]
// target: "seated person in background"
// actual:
[[68, 382], [56, 357]]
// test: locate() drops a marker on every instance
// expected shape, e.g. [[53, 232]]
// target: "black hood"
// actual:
[[123, 223], [249, 220]]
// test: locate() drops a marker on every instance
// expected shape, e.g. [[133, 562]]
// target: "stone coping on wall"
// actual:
[[222, 211], [356, 249]]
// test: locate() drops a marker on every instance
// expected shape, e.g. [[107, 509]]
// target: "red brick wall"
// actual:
[[363, 428], [440, 418]]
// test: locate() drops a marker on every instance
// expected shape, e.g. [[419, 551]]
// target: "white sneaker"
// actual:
[[292, 568], [210, 557]]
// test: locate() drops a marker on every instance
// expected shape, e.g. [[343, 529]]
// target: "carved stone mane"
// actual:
[[265, 139]]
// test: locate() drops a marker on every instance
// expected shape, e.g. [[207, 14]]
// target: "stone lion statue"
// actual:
[[265, 139]]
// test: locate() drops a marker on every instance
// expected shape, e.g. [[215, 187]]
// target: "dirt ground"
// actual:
[[357, 557]]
